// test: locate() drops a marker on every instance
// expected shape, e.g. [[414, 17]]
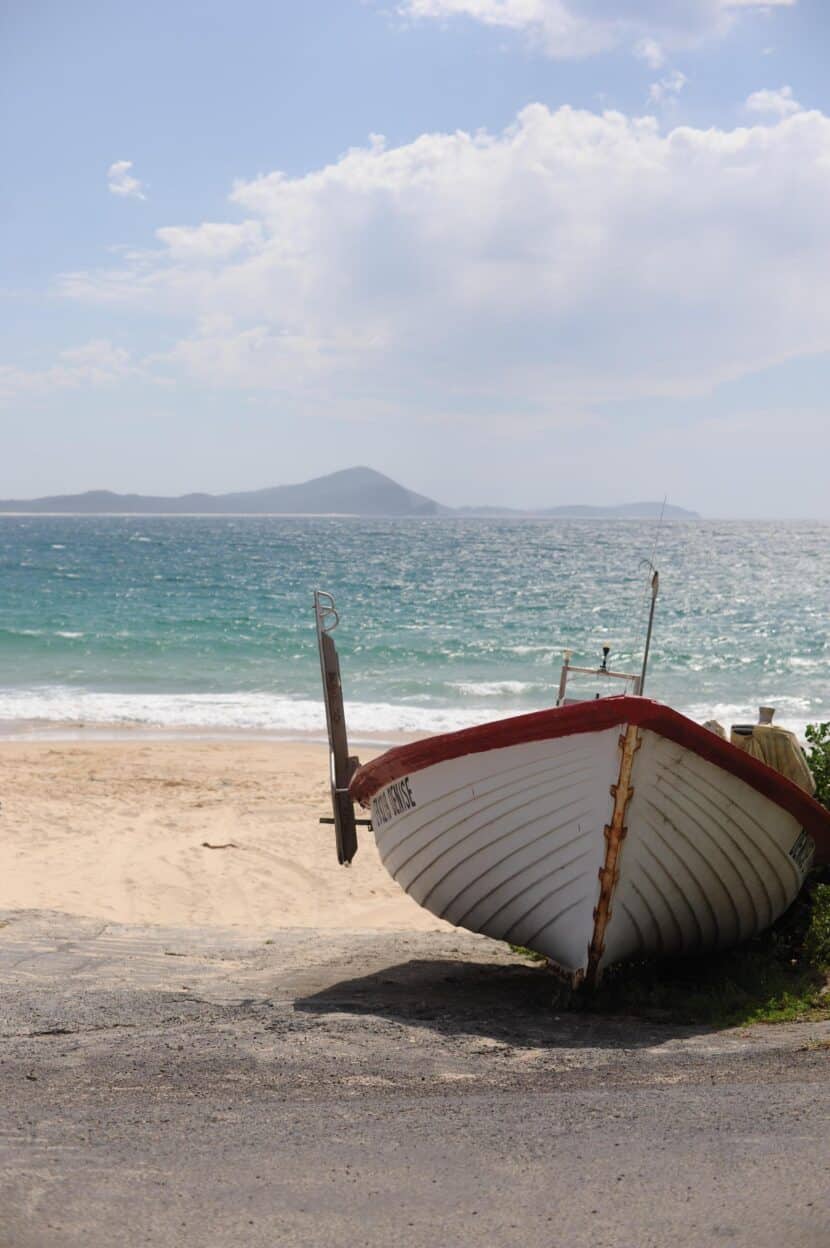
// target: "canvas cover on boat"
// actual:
[[779, 749]]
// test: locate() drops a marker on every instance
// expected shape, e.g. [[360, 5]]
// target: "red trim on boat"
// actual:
[[596, 716]]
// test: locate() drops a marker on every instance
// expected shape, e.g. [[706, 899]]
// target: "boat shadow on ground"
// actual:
[[522, 1005]]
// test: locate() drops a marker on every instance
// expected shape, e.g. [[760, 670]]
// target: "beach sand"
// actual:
[[116, 830]]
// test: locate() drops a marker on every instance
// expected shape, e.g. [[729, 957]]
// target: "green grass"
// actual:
[[782, 975], [530, 954]]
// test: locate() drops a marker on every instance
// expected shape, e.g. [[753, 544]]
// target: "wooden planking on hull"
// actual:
[[707, 860], [594, 833], [509, 843]]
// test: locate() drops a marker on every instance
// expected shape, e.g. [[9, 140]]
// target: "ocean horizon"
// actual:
[[205, 624]]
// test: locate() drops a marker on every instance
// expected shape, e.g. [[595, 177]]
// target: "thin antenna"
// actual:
[[650, 562], [655, 587], [654, 584]]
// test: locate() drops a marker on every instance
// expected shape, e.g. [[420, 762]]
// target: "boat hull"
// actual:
[[593, 834]]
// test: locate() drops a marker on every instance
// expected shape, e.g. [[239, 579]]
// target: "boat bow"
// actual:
[[594, 832]]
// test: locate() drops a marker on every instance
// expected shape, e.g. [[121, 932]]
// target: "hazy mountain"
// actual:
[[584, 512], [352, 491], [633, 510]]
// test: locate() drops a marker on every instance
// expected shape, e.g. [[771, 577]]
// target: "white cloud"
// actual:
[[209, 242], [649, 50], [121, 182], [576, 28], [672, 84], [778, 103], [96, 363], [573, 258]]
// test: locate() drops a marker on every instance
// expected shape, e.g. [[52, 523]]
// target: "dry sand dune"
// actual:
[[117, 830]]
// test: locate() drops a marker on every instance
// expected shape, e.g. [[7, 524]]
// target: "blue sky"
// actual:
[[587, 260]]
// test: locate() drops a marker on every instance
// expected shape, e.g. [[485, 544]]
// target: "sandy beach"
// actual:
[[130, 831]]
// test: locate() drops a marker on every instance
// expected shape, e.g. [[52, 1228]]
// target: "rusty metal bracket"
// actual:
[[615, 833], [342, 764]]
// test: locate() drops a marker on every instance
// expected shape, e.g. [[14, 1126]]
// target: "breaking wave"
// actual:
[[228, 712], [288, 717]]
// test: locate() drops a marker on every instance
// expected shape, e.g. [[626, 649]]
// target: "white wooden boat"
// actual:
[[593, 832]]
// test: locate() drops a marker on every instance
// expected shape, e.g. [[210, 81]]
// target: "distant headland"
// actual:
[[350, 492]]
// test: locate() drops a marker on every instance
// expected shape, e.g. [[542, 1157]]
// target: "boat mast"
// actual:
[[655, 586]]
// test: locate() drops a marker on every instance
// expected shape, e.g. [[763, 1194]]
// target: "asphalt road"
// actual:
[[210, 1089]]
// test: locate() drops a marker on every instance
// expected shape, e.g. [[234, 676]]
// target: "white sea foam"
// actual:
[[254, 712], [792, 713], [534, 649], [493, 688], [295, 716]]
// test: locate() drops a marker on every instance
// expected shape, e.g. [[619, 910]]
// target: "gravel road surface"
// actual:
[[204, 1088]]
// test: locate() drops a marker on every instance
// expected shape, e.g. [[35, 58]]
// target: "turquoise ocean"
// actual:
[[206, 623]]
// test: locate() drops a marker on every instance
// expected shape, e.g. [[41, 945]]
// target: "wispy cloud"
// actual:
[[571, 28], [95, 363], [121, 182], [671, 84], [649, 50]]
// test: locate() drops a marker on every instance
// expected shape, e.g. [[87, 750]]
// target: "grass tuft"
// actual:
[[530, 954]]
